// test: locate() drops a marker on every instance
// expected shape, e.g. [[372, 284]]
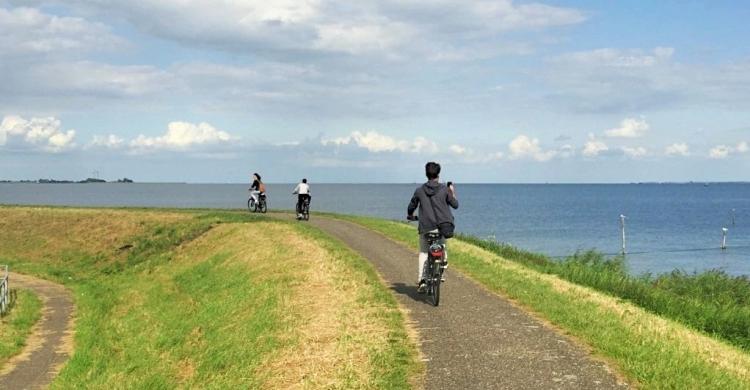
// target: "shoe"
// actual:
[[422, 287]]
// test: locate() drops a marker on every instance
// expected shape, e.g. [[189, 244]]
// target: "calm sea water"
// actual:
[[668, 225]]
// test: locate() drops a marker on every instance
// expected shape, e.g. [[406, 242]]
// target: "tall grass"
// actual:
[[713, 301]]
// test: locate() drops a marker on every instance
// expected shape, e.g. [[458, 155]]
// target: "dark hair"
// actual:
[[432, 170], [257, 175], [304, 181]]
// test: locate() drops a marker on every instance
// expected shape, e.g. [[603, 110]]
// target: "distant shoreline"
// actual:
[[54, 181]]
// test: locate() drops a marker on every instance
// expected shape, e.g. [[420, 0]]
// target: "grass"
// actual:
[[213, 299], [654, 351], [16, 326], [711, 302]]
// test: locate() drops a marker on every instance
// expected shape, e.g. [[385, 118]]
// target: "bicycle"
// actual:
[[435, 265], [303, 213], [260, 206]]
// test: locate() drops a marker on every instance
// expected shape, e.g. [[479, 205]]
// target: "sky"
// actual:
[[368, 91]]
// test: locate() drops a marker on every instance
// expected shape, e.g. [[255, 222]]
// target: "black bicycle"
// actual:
[[260, 206], [303, 212], [435, 265]]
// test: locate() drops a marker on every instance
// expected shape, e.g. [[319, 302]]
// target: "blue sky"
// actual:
[[497, 91]]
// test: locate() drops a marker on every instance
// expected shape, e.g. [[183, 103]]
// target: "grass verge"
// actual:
[[652, 350], [16, 326], [213, 299]]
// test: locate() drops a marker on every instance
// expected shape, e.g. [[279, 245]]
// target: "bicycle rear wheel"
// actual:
[[263, 206]]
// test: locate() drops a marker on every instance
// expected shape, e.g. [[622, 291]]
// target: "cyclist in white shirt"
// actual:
[[303, 193]]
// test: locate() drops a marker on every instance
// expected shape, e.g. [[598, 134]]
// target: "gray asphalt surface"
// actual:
[[474, 339], [38, 367]]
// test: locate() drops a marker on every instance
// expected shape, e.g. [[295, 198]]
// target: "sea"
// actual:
[[667, 226]]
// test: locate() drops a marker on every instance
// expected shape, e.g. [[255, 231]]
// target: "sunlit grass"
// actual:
[[219, 299]]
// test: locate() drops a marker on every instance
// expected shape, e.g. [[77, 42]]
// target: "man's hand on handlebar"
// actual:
[[412, 218]]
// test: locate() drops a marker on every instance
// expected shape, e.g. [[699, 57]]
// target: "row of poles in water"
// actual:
[[724, 231]]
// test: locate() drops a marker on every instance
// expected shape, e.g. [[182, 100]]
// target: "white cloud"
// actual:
[[103, 80], [634, 152], [720, 152], [280, 26], [466, 155], [457, 149], [26, 31], [376, 142], [56, 85], [629, 128], [525, 147], [356, 39], [617, 58], [36, 133], [182, 136], [110, 141], [611, 80], [593, 147], [424, 145], [678, 149], [505, 15]]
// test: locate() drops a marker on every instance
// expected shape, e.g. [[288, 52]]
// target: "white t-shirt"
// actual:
[[302, 189]]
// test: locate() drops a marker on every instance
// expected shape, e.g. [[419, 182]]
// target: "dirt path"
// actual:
[[51, 342], [475, 339]]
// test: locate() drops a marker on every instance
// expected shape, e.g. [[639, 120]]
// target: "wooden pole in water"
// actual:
[[622, 228], [724, 238]]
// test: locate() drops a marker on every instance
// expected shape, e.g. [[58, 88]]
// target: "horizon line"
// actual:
[[6, 181]]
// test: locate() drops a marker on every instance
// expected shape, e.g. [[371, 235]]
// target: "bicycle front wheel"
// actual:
[[250, 205], [436, 291], [434, 288]]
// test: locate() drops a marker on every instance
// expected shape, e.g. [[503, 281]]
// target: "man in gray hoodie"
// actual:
[[434, 201]]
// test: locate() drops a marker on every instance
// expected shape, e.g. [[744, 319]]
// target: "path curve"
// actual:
[[475, 339], [51, 342]]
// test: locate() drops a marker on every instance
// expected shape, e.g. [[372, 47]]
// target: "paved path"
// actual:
[[50, 344], [475, 339]]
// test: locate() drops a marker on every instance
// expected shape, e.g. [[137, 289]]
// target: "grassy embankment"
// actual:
[[687, 344], [16, 326], [171, 299]]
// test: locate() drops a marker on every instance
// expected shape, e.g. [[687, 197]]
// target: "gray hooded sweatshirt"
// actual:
[[441, 199]]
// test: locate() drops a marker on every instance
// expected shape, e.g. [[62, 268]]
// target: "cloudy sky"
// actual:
[[367, 91]]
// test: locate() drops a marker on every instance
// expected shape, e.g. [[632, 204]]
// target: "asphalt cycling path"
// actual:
[[49, 345], [475, 339]]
